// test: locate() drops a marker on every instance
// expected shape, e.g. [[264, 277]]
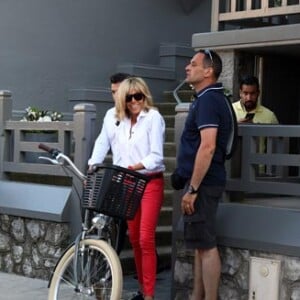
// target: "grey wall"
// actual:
[[50, 47]]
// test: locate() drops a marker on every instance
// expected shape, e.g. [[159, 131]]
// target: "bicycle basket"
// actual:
[[114, 191]]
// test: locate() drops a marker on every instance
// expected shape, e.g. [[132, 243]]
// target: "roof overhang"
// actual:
[[281, 39]]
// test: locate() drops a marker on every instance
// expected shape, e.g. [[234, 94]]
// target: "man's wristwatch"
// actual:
[[191, 190]]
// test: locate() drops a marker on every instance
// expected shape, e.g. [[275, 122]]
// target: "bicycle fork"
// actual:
[[98, 222], [78, 239]]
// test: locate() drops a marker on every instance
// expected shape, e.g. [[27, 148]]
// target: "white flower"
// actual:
[[44, 119]]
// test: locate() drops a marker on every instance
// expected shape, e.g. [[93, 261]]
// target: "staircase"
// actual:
[[164, 229]]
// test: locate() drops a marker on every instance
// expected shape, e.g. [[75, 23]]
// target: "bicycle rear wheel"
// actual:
[[99, 273]]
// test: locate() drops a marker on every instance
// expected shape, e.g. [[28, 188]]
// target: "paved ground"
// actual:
[[15, 287]]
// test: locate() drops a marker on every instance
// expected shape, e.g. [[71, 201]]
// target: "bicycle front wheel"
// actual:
[[98, 273]]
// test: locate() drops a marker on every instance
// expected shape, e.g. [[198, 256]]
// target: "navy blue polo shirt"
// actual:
[[209, 109]]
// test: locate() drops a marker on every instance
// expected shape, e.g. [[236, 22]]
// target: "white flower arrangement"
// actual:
[[36, 115]]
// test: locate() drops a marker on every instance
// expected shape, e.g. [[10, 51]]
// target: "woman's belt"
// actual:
[[155, 175]]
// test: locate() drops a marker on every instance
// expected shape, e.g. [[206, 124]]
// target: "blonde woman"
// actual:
[[140, 138]]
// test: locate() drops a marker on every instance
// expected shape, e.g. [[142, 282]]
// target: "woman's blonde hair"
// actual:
[[139, 86]]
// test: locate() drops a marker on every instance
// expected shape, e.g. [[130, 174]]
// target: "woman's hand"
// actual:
[[136, 167]]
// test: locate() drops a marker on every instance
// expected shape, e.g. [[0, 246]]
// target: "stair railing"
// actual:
[[175, 92]]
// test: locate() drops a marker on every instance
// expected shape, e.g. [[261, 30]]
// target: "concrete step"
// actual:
[[169, 147], [170, 163], [168, 186], [168, 198], [165, 217], [169, 135], [170, 121], [166, 108], [164, 235], [169, 150]]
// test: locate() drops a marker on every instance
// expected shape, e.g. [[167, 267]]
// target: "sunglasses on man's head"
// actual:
[[208, 53], [136, 96]]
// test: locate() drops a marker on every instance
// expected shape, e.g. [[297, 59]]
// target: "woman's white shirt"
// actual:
[[141, 143]]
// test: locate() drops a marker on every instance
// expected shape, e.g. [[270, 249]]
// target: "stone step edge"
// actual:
[[166, 209]]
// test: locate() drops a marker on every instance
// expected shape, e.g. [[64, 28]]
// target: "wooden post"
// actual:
[[84, 133], [5, 114], [84, 136], [214, 15]]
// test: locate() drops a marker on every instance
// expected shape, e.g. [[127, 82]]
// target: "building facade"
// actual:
[[56, 52]]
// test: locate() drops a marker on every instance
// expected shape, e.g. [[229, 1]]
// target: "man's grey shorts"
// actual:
[[200, 227]]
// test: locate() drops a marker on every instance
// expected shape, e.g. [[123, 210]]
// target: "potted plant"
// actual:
[[37, 115], [34, 114]]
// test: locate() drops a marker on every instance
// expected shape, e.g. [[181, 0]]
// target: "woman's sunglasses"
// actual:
[[136, 96]]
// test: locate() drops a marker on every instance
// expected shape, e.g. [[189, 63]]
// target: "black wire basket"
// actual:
[[114, 191]]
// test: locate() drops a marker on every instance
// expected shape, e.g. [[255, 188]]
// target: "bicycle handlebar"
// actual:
[[44, 147], [54, 152], [57, 155]]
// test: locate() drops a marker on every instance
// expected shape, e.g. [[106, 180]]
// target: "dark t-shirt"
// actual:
[[208, 110]]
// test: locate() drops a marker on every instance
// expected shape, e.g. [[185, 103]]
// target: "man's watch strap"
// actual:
[[191, 190]]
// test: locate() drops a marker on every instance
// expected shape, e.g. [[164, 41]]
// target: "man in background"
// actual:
[[248, 109], [105, 142]]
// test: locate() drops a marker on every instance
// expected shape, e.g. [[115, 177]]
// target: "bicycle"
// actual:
[[90, 268]]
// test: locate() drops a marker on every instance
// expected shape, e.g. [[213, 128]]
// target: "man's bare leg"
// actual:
[[207, 274], [198, 289], [211, 271]]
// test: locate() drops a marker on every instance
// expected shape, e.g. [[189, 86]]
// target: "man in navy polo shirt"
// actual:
[[201, 159]]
